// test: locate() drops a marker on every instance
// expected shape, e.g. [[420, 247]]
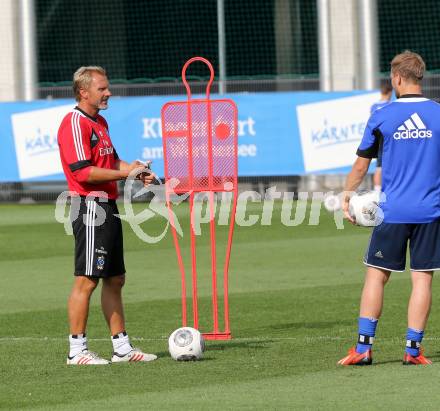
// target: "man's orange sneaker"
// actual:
[[408, 359], [355, 358]]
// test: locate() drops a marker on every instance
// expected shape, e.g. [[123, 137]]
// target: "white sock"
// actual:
[[121, 343], [78, 343], [378, 188]]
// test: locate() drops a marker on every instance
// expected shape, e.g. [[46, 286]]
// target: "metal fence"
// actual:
[[431, 87], [197, 87]]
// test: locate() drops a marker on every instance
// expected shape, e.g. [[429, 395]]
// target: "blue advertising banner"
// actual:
[[285, 133]]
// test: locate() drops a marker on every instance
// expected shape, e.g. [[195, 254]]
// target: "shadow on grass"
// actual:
[[248, 344], [434, 358], [270, 329], [162, 354], [166, 355], [310, 325], [387, 362], [226, 345]]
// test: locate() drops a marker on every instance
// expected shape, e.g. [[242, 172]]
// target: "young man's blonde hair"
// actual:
[[83, 77], [408, 65]]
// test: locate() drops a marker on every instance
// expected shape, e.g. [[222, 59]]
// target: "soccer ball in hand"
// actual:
[[364, 209], [186, 344]]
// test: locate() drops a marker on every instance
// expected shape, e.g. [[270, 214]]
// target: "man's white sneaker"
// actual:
[[87, 357], [135, 355]]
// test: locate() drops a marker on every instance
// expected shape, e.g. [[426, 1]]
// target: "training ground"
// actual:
[[294, 294]]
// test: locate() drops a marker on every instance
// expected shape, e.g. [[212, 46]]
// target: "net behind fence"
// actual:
[[144, 42], [409, 25]]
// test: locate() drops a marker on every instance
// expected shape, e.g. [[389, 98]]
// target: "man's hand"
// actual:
[[137, 168], [354, 179], [346, 206], [142, 172], [147, 178], [136, 164]]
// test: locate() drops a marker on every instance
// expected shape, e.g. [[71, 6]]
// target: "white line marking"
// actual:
[[242, 339]]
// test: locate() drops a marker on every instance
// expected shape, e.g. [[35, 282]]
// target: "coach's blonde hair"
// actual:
[[83, 77], [409, 65]]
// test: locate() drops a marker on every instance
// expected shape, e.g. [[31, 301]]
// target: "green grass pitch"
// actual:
[[294, 294]]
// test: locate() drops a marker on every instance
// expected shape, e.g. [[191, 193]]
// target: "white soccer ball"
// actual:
[[186, 344], [364, 208]]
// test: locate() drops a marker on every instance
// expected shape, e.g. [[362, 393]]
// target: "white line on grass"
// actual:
[[243, 339], [250, 339]]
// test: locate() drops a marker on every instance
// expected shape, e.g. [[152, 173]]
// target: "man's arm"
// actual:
[[367, 150], [123, 165], [98, 175], [143, 172], [354, 179]]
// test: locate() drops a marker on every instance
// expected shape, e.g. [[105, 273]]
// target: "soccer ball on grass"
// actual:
[[186, 344]]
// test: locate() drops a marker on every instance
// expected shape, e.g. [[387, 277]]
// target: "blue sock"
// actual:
[[367, 331], [413, 340]]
